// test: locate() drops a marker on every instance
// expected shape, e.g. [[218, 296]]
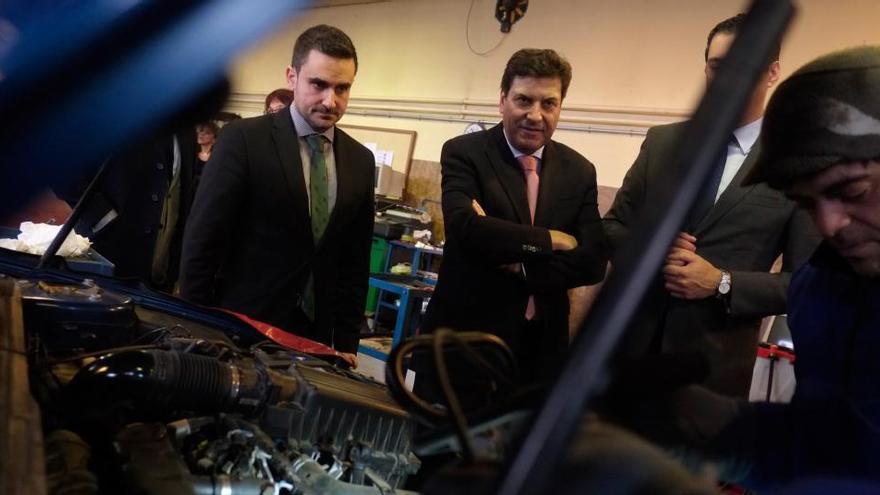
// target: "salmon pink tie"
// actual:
[[529, 166]]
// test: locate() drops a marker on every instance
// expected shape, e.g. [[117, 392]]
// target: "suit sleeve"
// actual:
[[354, 274], [758, 294], [584, 265], [628, 201], [492, 240], [208, 234]]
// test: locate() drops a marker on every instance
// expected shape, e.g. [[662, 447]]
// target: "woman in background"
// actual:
[[278, 99], [206, 136]]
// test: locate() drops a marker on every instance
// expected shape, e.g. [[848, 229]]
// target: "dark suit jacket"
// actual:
[[134, 186], [744, 233], [472, 292], [248, 244]]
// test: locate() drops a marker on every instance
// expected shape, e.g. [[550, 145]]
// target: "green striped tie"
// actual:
[[318, 188], [320, 208]]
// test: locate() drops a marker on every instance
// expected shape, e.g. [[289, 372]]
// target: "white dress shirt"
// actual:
[[745, 138]]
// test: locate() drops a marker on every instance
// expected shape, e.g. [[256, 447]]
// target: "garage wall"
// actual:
[[636, 63]]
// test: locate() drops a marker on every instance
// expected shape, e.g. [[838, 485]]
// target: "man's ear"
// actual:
[[290, 76], [773, 73], [501, 103]]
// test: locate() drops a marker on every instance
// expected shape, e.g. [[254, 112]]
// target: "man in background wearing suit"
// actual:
[[282, 224], [137, 214], [716, 285], [521, 220]]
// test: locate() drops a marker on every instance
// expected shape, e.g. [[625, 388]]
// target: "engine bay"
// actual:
[[132, 399]]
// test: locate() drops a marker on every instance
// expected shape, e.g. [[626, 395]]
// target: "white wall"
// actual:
[[636, 58]]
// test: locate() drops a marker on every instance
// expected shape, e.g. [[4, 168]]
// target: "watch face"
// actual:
[[474, 127], [724, 285]]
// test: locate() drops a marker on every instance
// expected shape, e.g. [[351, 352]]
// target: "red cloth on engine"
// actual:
[[286, 339]]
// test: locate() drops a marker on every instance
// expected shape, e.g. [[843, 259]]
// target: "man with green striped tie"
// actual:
[[282, 225]]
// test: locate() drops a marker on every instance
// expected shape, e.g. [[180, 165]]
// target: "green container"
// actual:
[[377, 265]]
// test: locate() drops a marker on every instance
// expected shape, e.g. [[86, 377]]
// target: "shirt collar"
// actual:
[[747, 135], [539, 153], [303, 128]]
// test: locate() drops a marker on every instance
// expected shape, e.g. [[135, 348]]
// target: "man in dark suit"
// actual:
[[281, 228], [136, 216], [521, 220], [716, 285]]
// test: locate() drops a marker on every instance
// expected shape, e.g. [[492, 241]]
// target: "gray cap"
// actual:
[[826, 113]]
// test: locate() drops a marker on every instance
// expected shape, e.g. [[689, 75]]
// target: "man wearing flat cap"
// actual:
[[821, 146]]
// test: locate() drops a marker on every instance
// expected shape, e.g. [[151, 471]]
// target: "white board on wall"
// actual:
[[397, 145]]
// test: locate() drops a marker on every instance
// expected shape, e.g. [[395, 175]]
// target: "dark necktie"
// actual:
[[706, 197], [318, 185], [319, 208]]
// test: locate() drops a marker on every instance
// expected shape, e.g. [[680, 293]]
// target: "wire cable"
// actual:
[[502, 369], [457, 413], [396, 379], [475, 358], [467, 34]]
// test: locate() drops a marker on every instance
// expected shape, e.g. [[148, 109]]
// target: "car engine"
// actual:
[[131, 399]]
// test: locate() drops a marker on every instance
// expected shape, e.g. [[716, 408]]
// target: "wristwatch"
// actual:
[[724, 285]]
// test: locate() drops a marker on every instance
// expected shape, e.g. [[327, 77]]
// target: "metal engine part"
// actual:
[[357, 422], [349, 425], [265, 415], [227, 456]]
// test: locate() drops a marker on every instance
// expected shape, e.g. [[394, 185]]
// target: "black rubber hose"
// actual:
[[154, 380]]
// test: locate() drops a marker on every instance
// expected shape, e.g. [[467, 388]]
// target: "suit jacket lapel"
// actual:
[[287, 145], [732, 195], [550, 176], [509, 173]]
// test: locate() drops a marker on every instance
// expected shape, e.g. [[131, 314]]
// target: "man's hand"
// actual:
[[516, 267], [684, 241], [562, 241], [349, 358], [477, 208], [689, 276]]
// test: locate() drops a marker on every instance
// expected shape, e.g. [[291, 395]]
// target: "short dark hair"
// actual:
[[283, 95], [327, 40], [209, 125], [731, 26], [535, 62]]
